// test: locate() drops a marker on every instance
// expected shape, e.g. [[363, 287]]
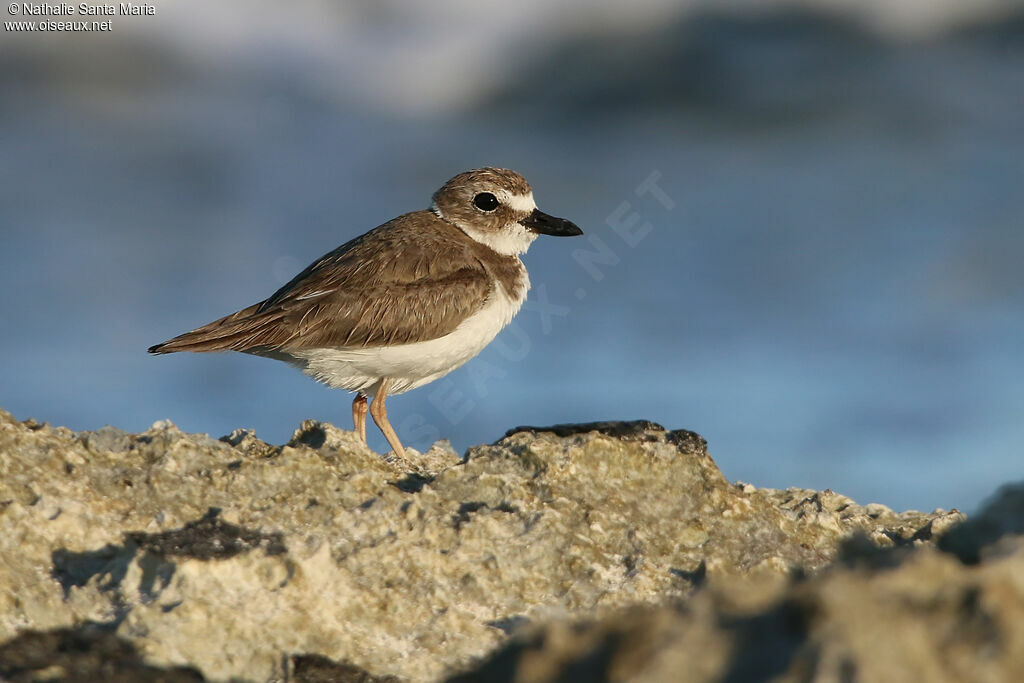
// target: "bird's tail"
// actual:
[[234, 332]]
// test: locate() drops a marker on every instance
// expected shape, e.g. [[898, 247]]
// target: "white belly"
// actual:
[[409, 365]]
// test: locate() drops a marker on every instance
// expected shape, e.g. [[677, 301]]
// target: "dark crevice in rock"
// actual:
[[1002, 516], [466, 510], [860, 551], [772, 643], [688, 442], [156, 576], [978, 625], [205, 539], [592, 665], [696, 576], [91, 652], [74, 570], [208, 538], [848, 671], [596, 665], [110, 563], [411, 483], [245, 441], [631, 430], [898, 539], [312, 435], [314, 668], [508, 625], [502, 665], [34, 425]]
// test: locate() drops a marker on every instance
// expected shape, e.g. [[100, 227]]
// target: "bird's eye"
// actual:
[[485, 201]]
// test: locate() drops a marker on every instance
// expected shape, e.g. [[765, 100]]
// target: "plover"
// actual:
[[403, 304]]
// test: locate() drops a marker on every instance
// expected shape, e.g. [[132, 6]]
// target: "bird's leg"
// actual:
[[359, 409], [379, 413]]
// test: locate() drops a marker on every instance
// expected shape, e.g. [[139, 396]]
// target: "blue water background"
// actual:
[[827, 284]]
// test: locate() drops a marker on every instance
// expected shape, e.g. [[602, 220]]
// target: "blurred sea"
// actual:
[[826, 282]]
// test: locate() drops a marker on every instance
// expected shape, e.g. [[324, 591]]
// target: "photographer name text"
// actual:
[[121, 9]]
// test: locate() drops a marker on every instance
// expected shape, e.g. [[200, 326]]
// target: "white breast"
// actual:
[[412, 365]]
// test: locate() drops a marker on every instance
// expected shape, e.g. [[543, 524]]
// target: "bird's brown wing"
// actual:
[[408, 280]]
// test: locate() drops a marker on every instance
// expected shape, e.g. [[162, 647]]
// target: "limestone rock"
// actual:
[[897, 614], [235, 558]]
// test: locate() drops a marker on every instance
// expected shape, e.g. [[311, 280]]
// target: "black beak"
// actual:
[[540, 222]]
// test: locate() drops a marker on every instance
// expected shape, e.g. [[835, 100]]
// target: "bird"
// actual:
[[402, 304]]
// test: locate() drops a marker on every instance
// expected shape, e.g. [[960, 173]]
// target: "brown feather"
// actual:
[[412, 279]]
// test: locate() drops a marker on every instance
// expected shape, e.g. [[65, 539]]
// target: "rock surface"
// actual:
[[614, 545], [902, 614]]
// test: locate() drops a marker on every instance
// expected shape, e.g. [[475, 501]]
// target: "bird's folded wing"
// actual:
[[378, 289]]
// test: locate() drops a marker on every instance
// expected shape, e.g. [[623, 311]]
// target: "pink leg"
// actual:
[[379, 413], [359, 410]]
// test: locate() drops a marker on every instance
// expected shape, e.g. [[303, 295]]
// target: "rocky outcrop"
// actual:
[[616, 545], [898, 614]]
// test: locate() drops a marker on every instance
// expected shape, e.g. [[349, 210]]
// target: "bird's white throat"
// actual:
[[511, 240]]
